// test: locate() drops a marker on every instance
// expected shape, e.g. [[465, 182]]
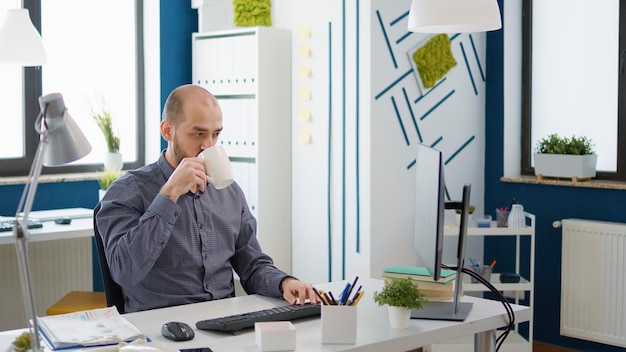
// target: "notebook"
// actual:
[[94, 327]]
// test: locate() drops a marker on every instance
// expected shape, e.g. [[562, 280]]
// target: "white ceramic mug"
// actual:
[[217, 166]]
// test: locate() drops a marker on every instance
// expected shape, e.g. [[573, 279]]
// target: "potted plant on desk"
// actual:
[[400, 295], [565, 157], [105, 180], [22, 343]]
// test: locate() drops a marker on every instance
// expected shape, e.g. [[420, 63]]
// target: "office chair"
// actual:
[[113, 291]]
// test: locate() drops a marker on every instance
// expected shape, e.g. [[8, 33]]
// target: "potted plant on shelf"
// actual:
[[470, 216], [400, 295], [113, 158], [105, 180], [573, 157]]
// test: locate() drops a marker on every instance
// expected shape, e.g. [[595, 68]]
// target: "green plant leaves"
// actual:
[[104, 121], [400, 293], [108, 176], [554, 144], [22, 343]]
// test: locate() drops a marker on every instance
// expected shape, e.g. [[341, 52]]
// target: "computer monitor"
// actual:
[[429, 209], [430, 205]]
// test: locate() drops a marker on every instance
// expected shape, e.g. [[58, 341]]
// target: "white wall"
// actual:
[[385, 185], [353, 202]]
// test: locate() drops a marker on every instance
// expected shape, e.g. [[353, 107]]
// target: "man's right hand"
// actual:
[[189, 175]]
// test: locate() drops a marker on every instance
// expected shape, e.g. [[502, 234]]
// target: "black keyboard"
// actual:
[[234, 323], [7, 225]]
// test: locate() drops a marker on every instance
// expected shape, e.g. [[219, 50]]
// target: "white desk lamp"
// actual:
[[454, 16], [61, 142]]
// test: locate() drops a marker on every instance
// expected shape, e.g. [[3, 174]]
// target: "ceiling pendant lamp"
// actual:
[[454, 16]]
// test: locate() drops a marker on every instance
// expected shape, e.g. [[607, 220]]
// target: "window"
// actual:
[[95, 60], [11, 98], [572, 83]]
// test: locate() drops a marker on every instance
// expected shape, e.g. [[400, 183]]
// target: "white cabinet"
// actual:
[[248, 71], [516, 291]]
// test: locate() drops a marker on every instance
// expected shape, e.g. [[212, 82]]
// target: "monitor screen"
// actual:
[[430, 205], [429, 209]]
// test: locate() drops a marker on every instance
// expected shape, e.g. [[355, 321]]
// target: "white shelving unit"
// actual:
[[248, 71], [514, 342]]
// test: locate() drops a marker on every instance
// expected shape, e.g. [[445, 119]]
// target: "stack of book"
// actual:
[[442, 289]]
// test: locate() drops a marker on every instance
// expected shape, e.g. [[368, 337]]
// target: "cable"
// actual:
[[507, 306]]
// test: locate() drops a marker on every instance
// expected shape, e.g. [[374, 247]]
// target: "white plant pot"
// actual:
[[113, 161], [562, 165], [399, 317], [101, 193]]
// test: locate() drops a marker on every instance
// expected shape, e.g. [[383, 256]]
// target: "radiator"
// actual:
[[593, 281], [57, 267]]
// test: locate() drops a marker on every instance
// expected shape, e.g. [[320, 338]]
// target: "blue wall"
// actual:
[[178, 22], [548, 203]]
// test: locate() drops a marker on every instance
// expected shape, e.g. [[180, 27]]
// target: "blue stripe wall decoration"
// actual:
[[375, 114], [448, 116]]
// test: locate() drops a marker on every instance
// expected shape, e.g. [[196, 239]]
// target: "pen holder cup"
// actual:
[[502, 218], [339, 324], [485, 272]]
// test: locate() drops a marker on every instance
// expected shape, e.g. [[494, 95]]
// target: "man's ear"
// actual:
[[166, 130]]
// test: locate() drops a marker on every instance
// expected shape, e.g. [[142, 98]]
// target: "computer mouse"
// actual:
[[177, 331], [63, 221]]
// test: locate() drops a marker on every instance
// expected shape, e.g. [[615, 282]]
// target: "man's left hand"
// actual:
[[295, 290]]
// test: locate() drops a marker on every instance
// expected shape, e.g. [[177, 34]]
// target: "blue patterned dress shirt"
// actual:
[[165, 254]]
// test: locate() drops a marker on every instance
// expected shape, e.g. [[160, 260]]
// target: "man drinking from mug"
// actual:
[[170, 237]]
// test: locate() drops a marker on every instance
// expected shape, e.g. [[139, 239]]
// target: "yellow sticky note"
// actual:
[[304, 72], [304, 115], [304, 137], [305, 93], [304, 32], [304, 51]]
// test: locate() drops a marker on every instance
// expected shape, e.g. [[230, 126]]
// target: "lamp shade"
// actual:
[[454, 16], [66, 142], [20, 43]]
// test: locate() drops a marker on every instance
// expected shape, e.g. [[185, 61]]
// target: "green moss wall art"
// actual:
[[434, 59], [252, 13]]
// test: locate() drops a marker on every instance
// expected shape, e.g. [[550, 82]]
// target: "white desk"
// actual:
[[60, 259], [373, 331], [51, 231]]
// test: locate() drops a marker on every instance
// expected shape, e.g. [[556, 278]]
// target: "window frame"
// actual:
[[527, 147], [32, 77]]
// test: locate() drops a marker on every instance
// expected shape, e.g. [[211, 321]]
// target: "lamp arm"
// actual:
[[26, 201], [21, 236]]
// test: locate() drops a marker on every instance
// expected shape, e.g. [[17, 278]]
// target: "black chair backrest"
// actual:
[[112, 290]]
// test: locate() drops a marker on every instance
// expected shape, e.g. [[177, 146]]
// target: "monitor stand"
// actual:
[[455, 310]]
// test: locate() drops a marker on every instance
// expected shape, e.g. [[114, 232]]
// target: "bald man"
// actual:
[[170, 237]]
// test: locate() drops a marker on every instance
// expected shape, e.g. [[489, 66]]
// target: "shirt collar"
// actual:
[[166, 169]]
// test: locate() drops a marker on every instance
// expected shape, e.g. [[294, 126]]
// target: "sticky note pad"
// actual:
[[304, 137], [275, 336], [304, 51], [305, 93], [304, 115], [304, 32], [304, 72]]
